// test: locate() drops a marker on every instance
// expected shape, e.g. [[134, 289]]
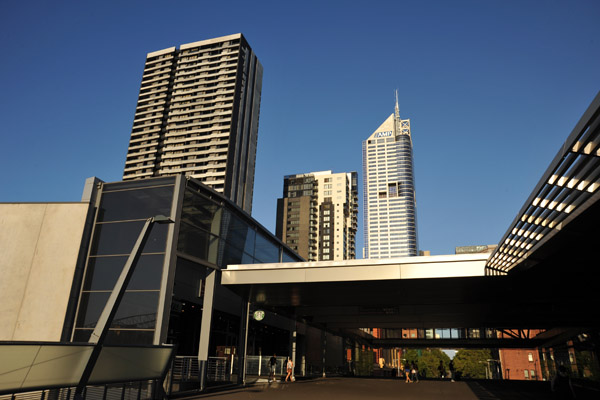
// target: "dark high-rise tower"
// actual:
[[197, 114]]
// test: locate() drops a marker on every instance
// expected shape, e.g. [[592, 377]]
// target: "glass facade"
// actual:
[[210, 232], [121, 213]]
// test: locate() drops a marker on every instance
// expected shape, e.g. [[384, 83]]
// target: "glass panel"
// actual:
[[117, 336], [265, 250], [103, 272], [230, 255], [141, 183], [237, 232], [248, 259], [188, 279], [288, 257], [82, 335], [197, 243], [119, 238], [90, 308], [137, 310], [128, 364], [135, 204], [250, 241], [443, 333], [201, 212], [33, 366]]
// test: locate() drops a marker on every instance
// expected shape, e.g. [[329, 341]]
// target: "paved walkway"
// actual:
[[381, 389]]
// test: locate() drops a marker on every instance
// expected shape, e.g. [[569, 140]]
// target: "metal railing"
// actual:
[[184, 375], [141, 390]]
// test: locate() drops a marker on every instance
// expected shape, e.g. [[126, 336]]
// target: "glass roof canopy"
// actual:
[[568, 187]]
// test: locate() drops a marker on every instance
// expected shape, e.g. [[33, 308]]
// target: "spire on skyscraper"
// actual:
[[397, 109]]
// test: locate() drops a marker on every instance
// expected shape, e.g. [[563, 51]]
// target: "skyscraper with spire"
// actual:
[[390, 222]]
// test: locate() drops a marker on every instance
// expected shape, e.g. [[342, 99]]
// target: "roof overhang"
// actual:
[[430, 267], [412, 292], [566, 194], [542, 275]]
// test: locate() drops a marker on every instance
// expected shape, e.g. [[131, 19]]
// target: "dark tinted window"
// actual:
[[141, 183], [265, 251], [188, 280], [137, 310], [197, 243], [103, 272], [201, 212], [230, 255], [117, 336], [119, 238], [237, 232], [135, 204], [287, 257]]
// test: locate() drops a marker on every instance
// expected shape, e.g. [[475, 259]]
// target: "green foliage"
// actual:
[[427, 361], [364, 363], [471, 363]]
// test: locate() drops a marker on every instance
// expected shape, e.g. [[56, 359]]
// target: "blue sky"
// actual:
[[492, 89]]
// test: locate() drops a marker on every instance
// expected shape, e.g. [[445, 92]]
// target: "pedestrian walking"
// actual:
[[407, 372], [290, 368], [414, 373], [451, 368], [272, 365], [441, 370]]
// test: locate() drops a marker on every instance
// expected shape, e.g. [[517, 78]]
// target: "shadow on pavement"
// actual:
[[509, 390]]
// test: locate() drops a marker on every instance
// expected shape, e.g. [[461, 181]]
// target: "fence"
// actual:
[[142, 390], [184, 374], [182, 377]]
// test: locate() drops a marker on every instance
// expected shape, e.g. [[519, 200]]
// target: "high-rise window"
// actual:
[[320, 209], [182, 126]]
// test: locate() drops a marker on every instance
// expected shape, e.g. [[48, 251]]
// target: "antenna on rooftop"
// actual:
[[397, 109]]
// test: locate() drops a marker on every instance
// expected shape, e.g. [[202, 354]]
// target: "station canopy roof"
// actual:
[[542, 275]]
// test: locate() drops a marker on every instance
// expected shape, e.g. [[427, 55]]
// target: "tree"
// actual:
[[427, 361], [471, 363]]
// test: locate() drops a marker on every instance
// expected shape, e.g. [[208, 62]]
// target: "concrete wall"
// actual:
[[39, 246]]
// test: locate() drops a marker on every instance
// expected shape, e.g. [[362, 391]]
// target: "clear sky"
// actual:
[[492, 89]]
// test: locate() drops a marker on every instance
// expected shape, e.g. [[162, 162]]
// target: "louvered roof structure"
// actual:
[[563, 201]]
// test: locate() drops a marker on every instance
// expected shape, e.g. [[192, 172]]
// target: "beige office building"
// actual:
[[317, 215], [197, 114], [390, 209]]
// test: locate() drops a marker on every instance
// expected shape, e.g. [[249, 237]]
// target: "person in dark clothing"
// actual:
[[451, 368], [441, 370], [414, 373], [272, 364]]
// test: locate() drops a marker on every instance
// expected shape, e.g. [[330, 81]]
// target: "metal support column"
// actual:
[[207, 310], [243, 342]]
